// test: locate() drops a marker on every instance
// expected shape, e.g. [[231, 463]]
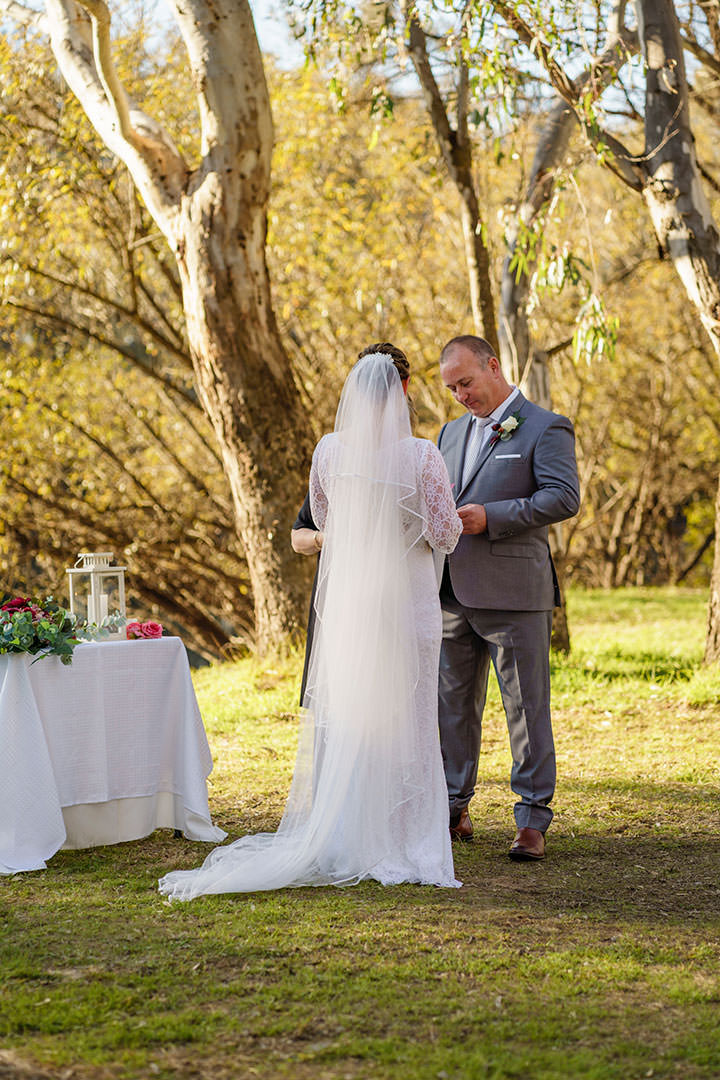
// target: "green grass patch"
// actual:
[[602, 962]]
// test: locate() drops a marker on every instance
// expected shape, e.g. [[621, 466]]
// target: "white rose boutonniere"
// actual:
[[507, 428]]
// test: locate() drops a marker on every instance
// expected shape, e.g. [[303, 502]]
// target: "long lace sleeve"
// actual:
[[318, 498], [443, 523]]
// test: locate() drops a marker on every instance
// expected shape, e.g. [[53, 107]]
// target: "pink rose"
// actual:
[[151, 630], [133, 630]]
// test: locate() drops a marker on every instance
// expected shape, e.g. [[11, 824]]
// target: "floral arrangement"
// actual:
[[147, 629], [40, 627], [44, 628]]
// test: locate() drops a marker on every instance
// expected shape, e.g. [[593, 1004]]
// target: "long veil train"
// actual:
[[359, 752]]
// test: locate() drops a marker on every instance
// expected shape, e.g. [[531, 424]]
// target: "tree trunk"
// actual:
[[455, 147], [712, 640], [679, 209], [247, 391], [712, 14], [673, 189], [524, 365], [515, 346], [477, 262]]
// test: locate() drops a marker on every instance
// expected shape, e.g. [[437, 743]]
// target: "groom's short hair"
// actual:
[[482, 349]]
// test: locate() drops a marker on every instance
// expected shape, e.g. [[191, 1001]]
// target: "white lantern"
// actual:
[[97, 588]]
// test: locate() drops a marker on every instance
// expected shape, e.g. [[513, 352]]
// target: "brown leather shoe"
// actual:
[[461, 827], [528, 846]]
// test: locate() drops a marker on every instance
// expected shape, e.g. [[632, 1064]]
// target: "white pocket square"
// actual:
[[499, 456]]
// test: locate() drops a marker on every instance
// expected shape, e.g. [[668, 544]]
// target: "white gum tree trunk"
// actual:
[[671, 182], [678, 206]]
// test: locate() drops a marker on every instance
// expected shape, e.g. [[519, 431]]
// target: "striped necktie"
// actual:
[[475, 443]]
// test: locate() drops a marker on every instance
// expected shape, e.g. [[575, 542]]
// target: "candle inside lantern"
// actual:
[[97, 608]]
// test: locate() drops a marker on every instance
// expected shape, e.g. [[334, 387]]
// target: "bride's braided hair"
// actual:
[[397, 356]]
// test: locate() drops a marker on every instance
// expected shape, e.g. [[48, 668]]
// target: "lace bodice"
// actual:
[[432, 499]]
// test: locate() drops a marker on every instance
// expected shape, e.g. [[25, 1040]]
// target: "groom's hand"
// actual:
[[473, 517]]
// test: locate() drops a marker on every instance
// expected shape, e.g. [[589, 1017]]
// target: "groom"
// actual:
[[513, 469]]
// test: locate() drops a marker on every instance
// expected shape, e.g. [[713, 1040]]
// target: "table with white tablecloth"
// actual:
[[103, 750]]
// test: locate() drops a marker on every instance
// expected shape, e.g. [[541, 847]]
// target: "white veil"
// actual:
[[357, 753]]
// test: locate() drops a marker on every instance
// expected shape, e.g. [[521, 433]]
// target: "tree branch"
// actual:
[[711, 9], [24, 16], [431, 92], [230, 117], [114, 90], [540, 49], [200, 486], [621, 162], [154, 163], [461, 111], [129, 313], [108, 452], [696, 557], [140, 360], [708, 177], [707, 59]]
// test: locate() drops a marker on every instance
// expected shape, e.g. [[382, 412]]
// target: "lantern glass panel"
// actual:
[[105, 596], [80, 594], [97, 589]]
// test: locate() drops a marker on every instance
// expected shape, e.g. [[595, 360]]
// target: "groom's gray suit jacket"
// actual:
[[525, 483]]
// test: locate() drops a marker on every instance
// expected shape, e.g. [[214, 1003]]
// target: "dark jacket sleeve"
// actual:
[[304, 520]]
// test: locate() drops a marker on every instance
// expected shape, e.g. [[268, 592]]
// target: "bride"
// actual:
[[368, 797]]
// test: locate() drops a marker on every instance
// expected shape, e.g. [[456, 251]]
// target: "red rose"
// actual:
[[20, 603], [133, 630], [151, 630]]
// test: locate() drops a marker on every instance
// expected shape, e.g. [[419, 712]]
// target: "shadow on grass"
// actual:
[[645, 877], [619, 849], [597, 794], [649, 879]]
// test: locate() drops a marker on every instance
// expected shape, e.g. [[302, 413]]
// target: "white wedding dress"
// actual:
[[368, 798]]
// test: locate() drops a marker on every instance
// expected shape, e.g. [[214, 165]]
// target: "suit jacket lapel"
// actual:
[[515, 406]]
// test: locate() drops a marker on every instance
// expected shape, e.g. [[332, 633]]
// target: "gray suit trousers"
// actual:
[[518, 645]]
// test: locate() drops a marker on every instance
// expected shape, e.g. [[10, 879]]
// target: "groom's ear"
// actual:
[[405, 384]]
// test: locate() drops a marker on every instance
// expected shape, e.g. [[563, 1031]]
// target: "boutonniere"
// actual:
[[506, 428]]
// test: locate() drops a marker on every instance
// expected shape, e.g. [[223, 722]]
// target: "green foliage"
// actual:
[[596, 332], [367, 246], [38, 627], [356, 208], [42, 627]]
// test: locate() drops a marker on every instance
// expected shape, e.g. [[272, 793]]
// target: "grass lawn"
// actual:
[[602, 962]]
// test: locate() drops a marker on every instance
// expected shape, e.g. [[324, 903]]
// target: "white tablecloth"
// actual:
[[103, 750]]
